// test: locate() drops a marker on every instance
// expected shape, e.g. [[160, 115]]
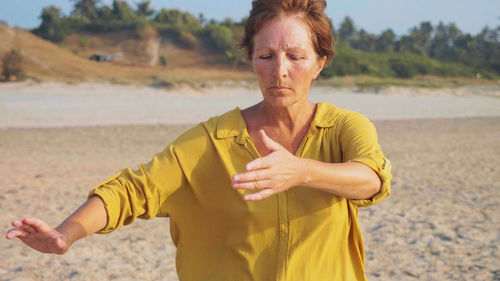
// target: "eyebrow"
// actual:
[[288, 49]]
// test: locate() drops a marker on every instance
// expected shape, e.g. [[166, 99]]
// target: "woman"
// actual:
[[270, 192]]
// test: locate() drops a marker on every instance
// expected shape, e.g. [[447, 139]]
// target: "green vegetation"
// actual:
[[441, 50], [12, 66], [163, 61], [84, 42], [53, 26], [182, 21], [397, 64]]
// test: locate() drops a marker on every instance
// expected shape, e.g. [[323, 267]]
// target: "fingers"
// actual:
[[16, 232], [263, 194], [31, 223], [17, 223], [268, 142], [26, 227], [29, 229], [259, 163], [252, 176], [37, 225], [254, 184], [20, 230]]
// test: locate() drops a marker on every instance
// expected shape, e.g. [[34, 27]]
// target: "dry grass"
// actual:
[[44, 61]]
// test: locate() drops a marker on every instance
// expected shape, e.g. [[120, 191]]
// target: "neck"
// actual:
[[285, 125], [290, 118]]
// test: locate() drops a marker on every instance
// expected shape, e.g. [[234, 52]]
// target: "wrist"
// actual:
[[305, 171], [67, 231], [64, 233]]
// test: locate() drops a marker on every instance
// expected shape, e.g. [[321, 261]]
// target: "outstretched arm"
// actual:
[[87, 219]]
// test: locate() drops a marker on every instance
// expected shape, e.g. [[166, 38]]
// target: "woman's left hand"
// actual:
[[274, 173]]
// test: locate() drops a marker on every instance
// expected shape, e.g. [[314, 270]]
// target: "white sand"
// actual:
[[440, 222], [53, 105]]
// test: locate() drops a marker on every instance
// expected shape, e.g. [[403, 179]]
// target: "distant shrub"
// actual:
[[122, 11], [402, 68], [220, 37], [52, 27], [84, 42], [74, 23], [348, 62], [346, 65], [183, 39], [163, 60], [188, 40], [235, 57], [178, 19], [114, 26], [12, 66]]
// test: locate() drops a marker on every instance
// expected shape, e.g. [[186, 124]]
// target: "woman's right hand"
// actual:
[[39, 235]]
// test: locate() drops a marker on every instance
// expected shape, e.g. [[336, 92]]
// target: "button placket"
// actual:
[[284, 235]]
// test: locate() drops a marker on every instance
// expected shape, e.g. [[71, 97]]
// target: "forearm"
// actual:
[[87, 219], [352, 180]]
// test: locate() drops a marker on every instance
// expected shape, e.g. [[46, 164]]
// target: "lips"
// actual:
[[279, 88]]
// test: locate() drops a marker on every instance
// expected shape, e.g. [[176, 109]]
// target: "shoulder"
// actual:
[[337, 118], [210, 129]]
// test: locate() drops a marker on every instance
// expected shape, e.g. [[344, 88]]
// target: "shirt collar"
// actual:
[[231, 124], [325, 115]]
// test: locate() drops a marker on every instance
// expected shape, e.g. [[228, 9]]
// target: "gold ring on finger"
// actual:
[[257, 184]]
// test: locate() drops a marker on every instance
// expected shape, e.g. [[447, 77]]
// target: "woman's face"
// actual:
[[285, 61]]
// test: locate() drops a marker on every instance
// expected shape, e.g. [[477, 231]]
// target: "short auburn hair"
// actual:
[[311, 12]]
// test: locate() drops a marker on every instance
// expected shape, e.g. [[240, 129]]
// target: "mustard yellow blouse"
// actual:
[[300, 234]]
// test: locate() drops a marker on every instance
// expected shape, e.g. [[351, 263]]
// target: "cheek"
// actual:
[[260, 68], [302, 72]]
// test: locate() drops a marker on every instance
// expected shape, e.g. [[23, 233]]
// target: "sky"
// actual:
[[372, 15]]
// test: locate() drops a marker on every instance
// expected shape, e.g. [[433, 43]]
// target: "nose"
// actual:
[[280, 67]]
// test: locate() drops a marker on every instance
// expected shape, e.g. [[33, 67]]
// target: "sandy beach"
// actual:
[[57, 141], [43, 105]]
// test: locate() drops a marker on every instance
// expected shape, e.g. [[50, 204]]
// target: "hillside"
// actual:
[[167, 46], [68, 61], [142, 48], [139, 62]]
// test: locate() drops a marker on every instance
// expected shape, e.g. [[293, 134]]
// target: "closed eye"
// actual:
[[295, 57]]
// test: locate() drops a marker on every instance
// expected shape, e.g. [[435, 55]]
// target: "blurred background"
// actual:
[[387, 42]]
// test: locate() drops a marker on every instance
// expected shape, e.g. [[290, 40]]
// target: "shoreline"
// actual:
[[88, 104]]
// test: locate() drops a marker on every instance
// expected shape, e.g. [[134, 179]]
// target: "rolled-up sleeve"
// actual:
[[360, 144], [140, 193]]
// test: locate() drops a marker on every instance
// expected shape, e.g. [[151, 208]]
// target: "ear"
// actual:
[[321, 64]]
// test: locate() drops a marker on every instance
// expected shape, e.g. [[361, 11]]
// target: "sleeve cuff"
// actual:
[[110, 203], [384, 173]]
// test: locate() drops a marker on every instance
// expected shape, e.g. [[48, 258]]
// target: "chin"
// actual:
[[280, 100]]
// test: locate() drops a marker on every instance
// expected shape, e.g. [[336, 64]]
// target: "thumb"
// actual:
[[268, 142]]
